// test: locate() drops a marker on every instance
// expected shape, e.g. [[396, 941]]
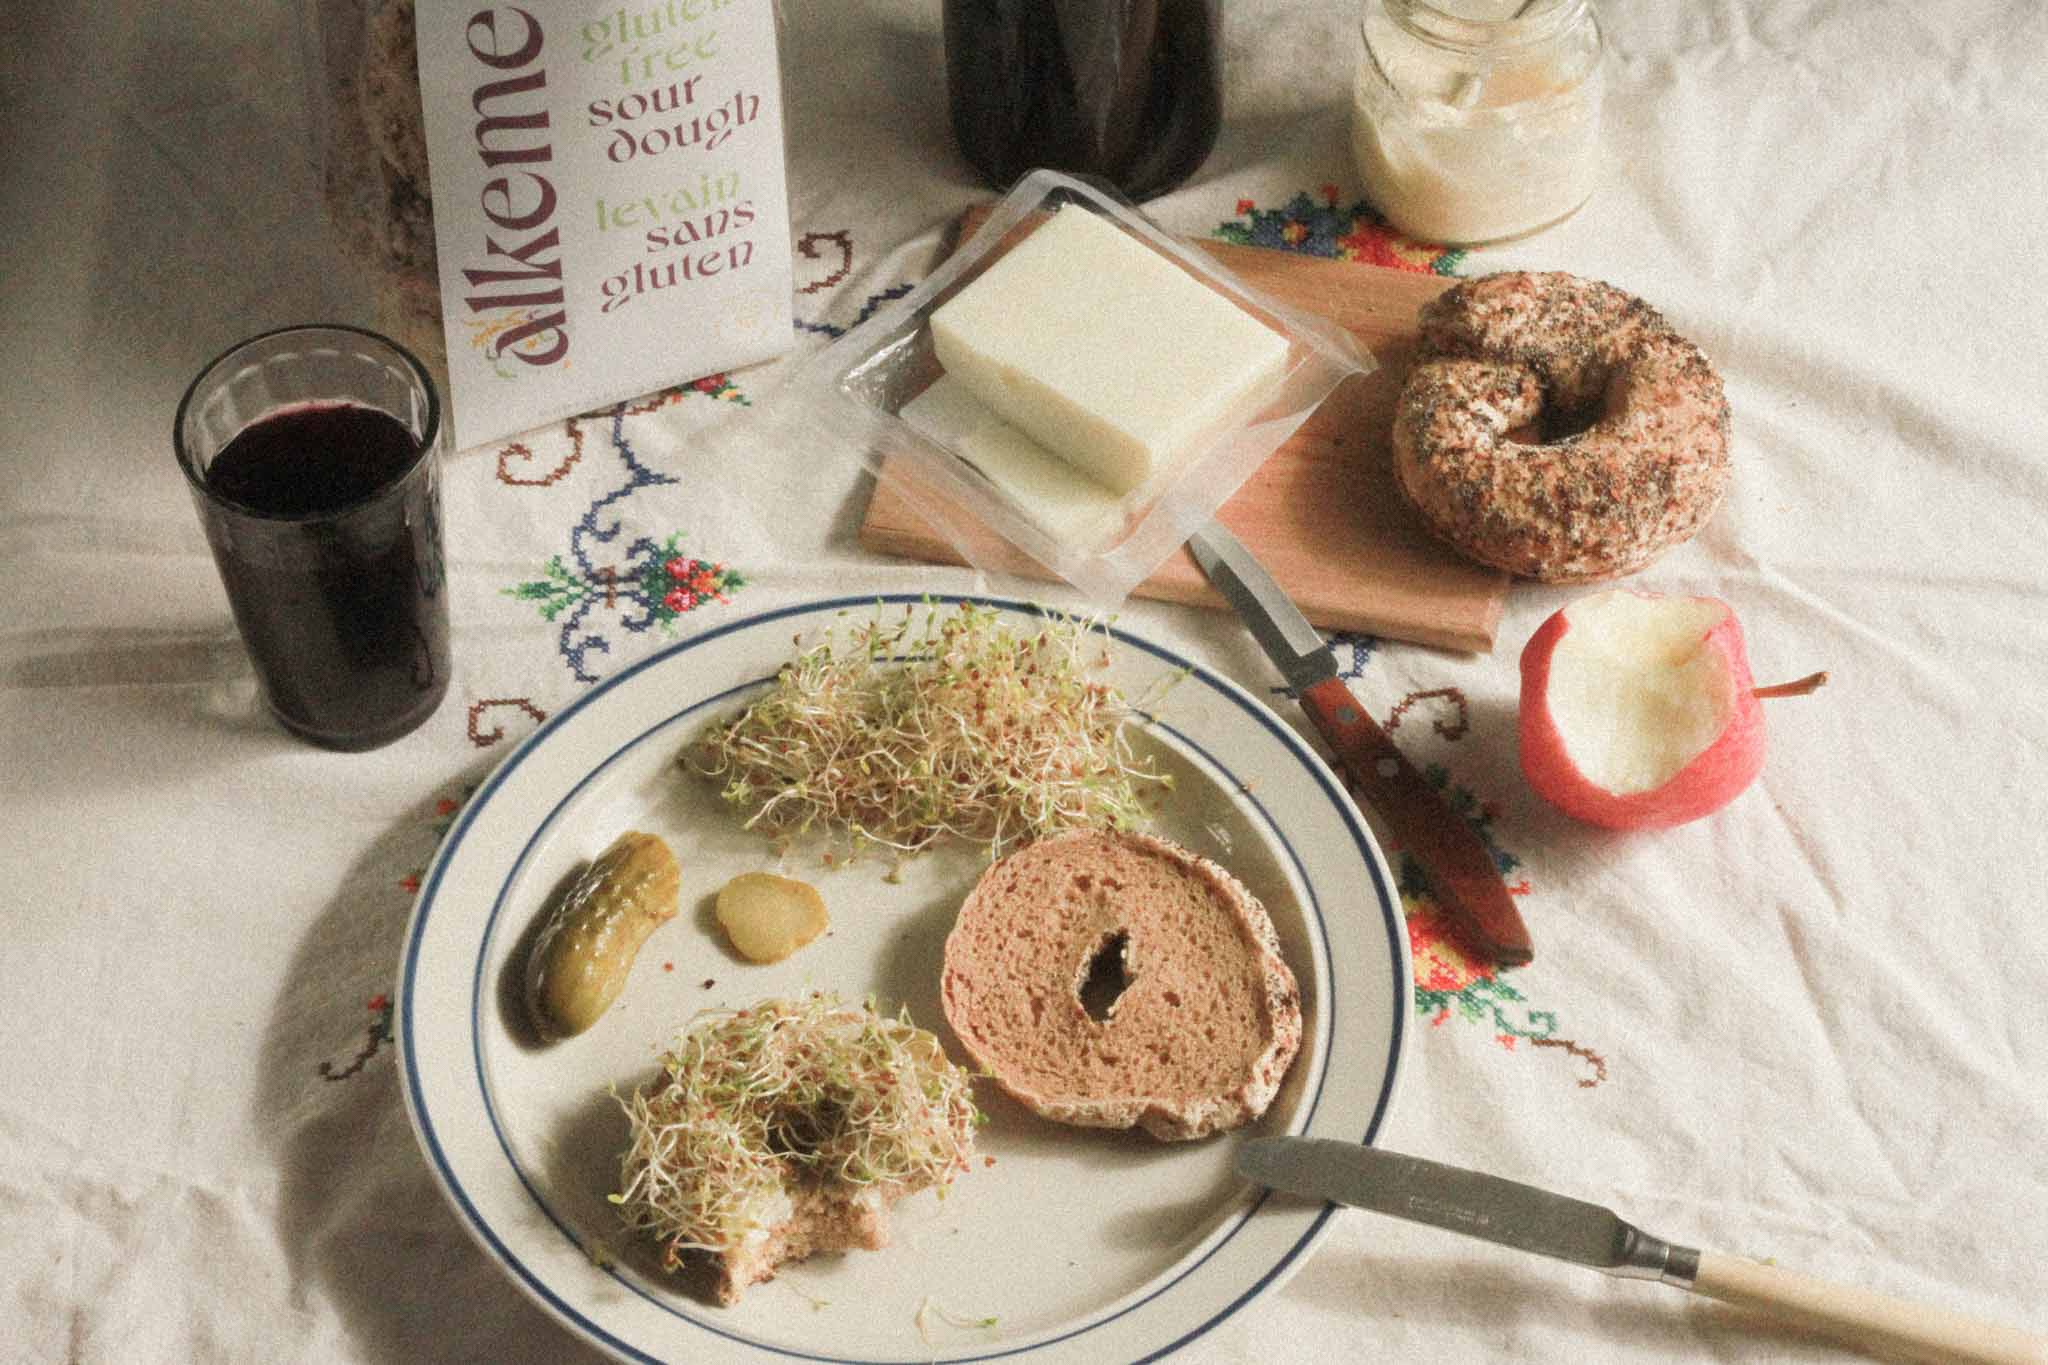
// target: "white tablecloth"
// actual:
[[1808, 1028]]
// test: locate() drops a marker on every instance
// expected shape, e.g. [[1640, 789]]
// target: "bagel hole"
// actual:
[[1561, 424], [1107, 977], [1557, 422], [799, 1133], [1554, 424]]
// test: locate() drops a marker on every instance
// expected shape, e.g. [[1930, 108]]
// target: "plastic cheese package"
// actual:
[[1089, 397]]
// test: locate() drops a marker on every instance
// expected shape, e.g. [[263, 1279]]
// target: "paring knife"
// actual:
[[1461, 871], [1530, 1219]]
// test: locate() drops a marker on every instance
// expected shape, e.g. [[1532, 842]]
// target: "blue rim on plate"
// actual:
[[461, 913]]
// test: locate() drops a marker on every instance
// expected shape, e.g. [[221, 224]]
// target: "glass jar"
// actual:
[[1474, 122]]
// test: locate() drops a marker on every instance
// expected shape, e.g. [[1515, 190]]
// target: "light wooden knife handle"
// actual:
[[1873, 1321]]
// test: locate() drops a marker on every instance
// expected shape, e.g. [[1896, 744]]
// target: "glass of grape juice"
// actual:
[[314, 454]]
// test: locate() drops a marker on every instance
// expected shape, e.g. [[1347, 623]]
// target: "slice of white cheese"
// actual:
[[1104, 351], [1055, 496]]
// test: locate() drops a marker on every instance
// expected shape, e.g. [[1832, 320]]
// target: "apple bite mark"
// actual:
[[1637, 710], [1636, 689]]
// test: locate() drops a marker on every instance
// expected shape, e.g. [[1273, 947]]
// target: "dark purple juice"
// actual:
[[326, 524], [312, 459]]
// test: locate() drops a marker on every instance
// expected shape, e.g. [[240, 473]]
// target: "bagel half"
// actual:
[[1207, 1018]]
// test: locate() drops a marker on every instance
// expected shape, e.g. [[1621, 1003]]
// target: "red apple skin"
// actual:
[[1714, 777]]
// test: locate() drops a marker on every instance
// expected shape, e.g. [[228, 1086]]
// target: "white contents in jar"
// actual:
[[1469, 131]]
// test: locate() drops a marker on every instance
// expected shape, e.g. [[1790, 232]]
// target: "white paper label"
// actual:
[[610, 209]]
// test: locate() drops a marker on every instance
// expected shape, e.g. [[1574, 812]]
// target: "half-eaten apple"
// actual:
[[1637, 709]]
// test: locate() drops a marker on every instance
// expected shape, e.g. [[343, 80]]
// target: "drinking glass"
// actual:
[[313, 455]]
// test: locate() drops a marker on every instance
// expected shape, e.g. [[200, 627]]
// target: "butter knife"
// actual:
[[1529, 1219], [1461, 870]]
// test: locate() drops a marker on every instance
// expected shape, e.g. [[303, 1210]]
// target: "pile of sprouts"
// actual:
[[787, 1093], [894, 734]]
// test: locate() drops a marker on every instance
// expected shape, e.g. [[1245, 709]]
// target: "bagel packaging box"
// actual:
[[610, 209]]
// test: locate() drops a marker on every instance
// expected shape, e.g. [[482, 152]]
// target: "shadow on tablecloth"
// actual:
[[1408, 1305], [376, 1255]]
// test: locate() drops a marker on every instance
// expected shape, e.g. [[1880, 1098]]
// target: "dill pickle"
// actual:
[[582, 956]]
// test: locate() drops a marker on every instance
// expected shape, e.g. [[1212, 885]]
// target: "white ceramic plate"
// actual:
[[1083, 1245]]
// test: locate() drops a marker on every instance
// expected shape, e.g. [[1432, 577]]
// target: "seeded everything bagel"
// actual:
[[1206, 1016], [1631, 456]]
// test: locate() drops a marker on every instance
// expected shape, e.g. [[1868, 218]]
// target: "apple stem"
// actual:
[[1798, 687]]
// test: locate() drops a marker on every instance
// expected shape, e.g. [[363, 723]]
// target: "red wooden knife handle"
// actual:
[[1461, 870]]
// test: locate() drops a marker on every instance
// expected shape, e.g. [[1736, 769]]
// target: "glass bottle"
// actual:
[[1129, 92], [1474, 122]]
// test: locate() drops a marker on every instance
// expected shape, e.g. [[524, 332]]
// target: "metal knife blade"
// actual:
[[1296, 648], [1460, 867], [1529, 1219], [1471, 1202]]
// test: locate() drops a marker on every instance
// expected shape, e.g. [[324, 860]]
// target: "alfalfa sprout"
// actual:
[[899, 731]]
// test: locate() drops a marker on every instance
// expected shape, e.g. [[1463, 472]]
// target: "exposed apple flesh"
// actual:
[[1637, 710]]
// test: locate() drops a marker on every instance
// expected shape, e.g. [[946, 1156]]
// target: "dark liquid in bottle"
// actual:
[[337, 580], [1127, 91]]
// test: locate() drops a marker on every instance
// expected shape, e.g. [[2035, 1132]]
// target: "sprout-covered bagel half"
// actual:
[[759, 1109]]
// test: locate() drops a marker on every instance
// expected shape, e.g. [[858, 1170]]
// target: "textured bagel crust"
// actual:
[[1201, 1035], [819, 1220], [374, 178], [391, 90], [1515, 349]]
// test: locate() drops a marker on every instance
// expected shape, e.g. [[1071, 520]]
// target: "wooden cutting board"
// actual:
[[1322, 514]]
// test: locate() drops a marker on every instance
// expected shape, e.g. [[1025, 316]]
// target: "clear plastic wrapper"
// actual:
[[855, 391]]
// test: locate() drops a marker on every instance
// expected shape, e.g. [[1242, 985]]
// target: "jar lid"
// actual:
[[1473, 26]]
